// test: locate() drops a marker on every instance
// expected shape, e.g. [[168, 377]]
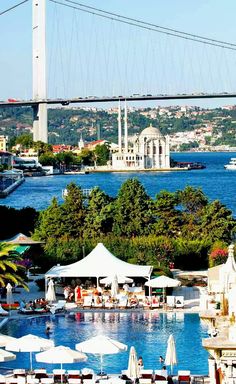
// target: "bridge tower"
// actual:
[[40, 117]]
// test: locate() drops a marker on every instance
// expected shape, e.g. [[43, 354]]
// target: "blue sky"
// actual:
[[88, 55]]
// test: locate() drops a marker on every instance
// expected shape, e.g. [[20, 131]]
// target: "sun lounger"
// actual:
[[155, 302], [3, 312], [179, 301], [170, 302], [123, 302], [47, 380], [88, 302], [2, 379], [59, 375], [184, 377], [40, 373], [159, 377], [146, 376], [58, 307], [74, 374], [32, 380], [12, 380], [74, 381]]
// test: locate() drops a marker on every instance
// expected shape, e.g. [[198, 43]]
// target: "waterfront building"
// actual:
[[150, 150]]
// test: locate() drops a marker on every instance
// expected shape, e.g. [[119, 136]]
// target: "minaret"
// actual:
[[119, 128], [81, 142], [126, 129]]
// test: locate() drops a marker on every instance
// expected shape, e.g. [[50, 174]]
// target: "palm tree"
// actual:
[[9, 269]]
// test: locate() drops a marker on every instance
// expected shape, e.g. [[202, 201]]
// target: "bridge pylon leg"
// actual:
[[40, 122]]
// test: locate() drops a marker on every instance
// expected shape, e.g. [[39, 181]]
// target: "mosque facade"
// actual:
[[149, 150]]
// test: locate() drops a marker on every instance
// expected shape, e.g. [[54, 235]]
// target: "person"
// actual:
[[48, 331], [164, 371], [140, 362], [161, 359]]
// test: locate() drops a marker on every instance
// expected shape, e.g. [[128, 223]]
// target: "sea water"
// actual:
[[215, 181]]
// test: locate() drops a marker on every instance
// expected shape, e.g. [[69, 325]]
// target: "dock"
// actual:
[[9, 181]]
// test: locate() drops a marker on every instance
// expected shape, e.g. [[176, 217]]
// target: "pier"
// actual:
[[9, 181]]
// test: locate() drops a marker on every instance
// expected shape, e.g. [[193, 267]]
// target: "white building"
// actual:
[[151, 150]]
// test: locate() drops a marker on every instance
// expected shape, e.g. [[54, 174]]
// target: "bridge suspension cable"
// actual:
[[145, 25], [13, 7]]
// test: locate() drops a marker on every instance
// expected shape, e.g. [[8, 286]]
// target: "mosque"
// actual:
[[149, 151]]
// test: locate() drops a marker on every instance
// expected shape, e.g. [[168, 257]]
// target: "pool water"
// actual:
[[148, 332]]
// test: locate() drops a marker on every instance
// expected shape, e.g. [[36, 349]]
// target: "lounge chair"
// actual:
[[74, 374], [179, 301], [19, 372], [123, 302], [184, 377], [57, 307], [146, 376], [59, 375], [155, 302], [159, 377], [170, 302], [2, 379], [47, 380], [74, 381], [88, 302], [40, 373], [32, 380], [3, 312]]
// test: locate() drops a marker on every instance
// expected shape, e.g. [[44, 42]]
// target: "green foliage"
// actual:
[[169, 219], [132, 214], [25, 140], [47, 158], [99, 216], [10, 271], [102, 154], [179, 227]]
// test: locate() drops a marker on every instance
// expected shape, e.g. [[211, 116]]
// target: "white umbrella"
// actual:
[[101, 345], [6, 356], [162, 282], [60, 355], [171, 358], [9, 294], [133, 368], [121, 280], [50, 295], [4, 339], [114, 287], [29, 343]]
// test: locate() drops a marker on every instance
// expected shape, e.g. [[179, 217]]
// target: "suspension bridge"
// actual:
[[145, 61]]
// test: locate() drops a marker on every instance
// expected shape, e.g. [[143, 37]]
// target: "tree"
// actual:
[[99, 218], [73, 211], [169, 219], [47, 158], [217, 222], [25, 140], [132, 214], [50, 222], [9, 270], [41, 147], [102, 154]]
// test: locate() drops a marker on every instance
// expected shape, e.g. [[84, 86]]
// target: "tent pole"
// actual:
[[97, 281], [46, 285]]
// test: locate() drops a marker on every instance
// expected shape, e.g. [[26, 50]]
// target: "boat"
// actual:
[[190, 164], [232, 164], [76, 172]]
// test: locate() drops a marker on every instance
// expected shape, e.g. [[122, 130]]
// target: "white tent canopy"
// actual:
[[100, 263]]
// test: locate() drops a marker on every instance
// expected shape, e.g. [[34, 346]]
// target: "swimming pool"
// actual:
[[148, 332]]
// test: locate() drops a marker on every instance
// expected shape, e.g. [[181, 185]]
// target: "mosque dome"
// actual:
[[151, 131]]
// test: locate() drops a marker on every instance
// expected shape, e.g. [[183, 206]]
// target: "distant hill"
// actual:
[[67, 124]]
